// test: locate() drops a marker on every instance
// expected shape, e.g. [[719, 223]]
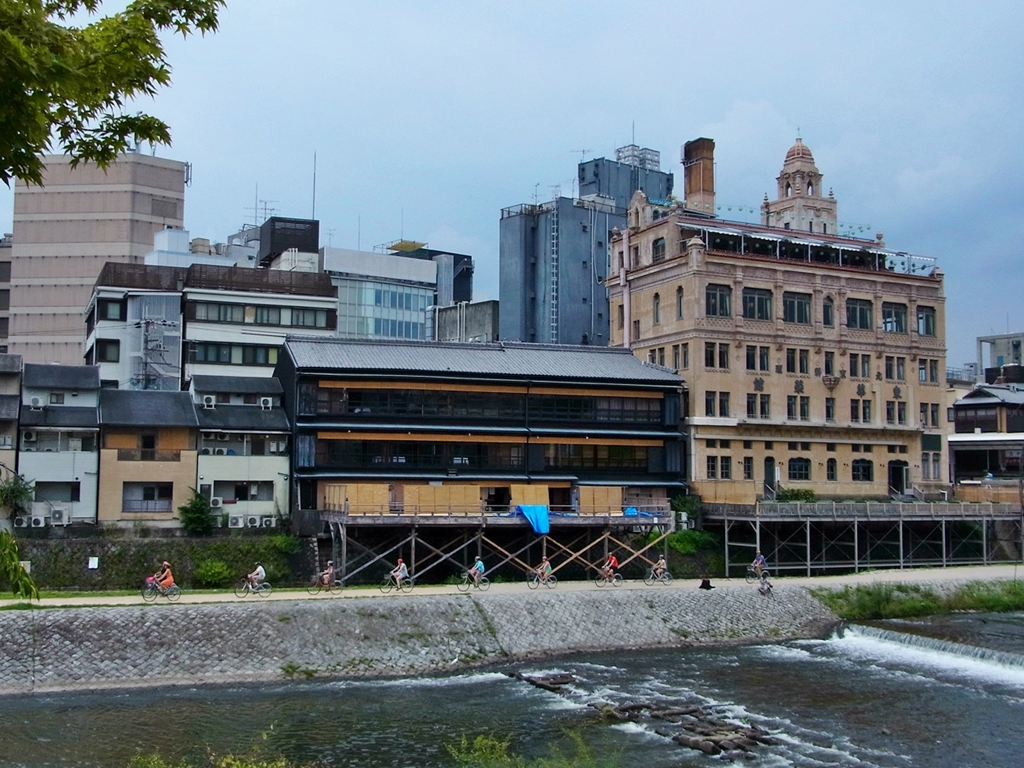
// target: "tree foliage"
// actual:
[[15, 494], [11, 572], [195, 514], [71, 84]]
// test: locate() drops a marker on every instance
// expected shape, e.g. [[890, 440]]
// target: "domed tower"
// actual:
[[800, 204]]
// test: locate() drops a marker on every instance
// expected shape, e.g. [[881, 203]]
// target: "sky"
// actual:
[[427, 117]]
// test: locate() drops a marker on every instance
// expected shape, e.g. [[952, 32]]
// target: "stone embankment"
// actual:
[[157, 645]]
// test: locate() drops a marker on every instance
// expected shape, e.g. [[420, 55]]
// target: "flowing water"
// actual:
[[946, 692]]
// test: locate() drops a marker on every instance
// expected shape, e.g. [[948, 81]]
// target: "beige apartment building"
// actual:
[[812, 360], [66, 230]]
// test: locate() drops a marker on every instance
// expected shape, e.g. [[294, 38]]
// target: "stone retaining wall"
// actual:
[[156, 645]]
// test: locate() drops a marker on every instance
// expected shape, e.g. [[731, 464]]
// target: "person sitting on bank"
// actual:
[[764, 586]]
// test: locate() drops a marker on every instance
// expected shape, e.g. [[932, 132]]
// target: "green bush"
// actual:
[[213, 573], [797, 494], [195, 514]]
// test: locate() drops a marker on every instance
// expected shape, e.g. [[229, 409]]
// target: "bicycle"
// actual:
[[534, 580], [752, 575], [467, 581], [765, 589], [316, 585], [151, 591], [388, 584], [246, 587], [652, 578], [615, 579]]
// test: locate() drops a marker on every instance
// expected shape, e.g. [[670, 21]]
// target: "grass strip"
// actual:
[[891, 601]]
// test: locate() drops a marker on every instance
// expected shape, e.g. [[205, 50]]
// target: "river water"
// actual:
[[946, 692]]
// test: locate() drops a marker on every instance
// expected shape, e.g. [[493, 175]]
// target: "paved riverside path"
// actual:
[[951, 575], [100, 642]]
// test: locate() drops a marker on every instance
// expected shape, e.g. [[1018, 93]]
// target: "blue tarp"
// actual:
[[537, 515], [631, 512]]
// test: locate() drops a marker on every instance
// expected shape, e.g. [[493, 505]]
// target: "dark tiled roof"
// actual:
[[130, 408], [61, 376], [992, 394], [10, 406], [237, 385], [10, 363], [243, 417], [547, 362], [59, 416]]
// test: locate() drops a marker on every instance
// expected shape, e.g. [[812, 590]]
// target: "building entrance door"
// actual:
[[769, 476], [898, 477]]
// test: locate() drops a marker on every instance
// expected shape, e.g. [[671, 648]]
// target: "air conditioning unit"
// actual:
[[36, 403], [269, 522], [60, 516], [266, 403], [205, 451], [252, 521], [236, 521], [209, 435], [219, 452], [22, 521], [38, 521], [223, 436], [216, 502], [6, 441], [75, 444], [209, 401], [28, 436]]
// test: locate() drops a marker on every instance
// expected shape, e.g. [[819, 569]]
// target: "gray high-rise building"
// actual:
[[553, 256]]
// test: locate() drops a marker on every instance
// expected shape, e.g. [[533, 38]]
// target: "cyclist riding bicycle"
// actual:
[[258, 576], [327, 575], [476, 571], [759, 563], [608, 569], [544, 569], [399, 572], [660, 567], [163, 578]]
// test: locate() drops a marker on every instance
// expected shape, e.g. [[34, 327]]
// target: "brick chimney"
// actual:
[[699, 176]]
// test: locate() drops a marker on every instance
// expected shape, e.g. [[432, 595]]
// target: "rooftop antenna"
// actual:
[[313, 216], [330, 236], [583, 153], [536, 195]]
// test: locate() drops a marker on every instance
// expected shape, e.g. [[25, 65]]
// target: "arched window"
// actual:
[[657, 308], [810, 188], [830, 470], [789, 191], [799, 469], [679, 303], [828, 313]]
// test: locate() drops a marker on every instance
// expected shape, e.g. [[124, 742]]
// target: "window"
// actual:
[[791, 407], [712, 467], [636, 330], [855, 410], [723, 356], [679, 303], [751, 358], [658, 250], [709, 403], [796, 308], [710, 443], [924, 415], [686, 355], [830, 409], [926, 466], [762, 358], [56, 398], [830, 470], [656, 309], [757, 304], [901, 412], [723, 405], [901, 369], [928, 370], [790, 360], [830, 363], [766, 406], [718, 300], [828, 313], [652, 356], [675, 356], [933, 371], [890, 411], [936, 466], [709, 354], [935, 414], [890, 367], [748, 467], [800, 469], [860, 365], [805, 408], [751, 406], [865, 411], [894, 318], [108, 309], [862, 470], [926, 321], [804, 361], [725, 467], [858, 314], [620, 315], [108, 350]]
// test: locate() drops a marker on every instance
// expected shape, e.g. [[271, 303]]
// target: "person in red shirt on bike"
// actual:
[[608, 569]]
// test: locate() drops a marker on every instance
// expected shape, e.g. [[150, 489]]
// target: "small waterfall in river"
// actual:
[[923, 642]]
